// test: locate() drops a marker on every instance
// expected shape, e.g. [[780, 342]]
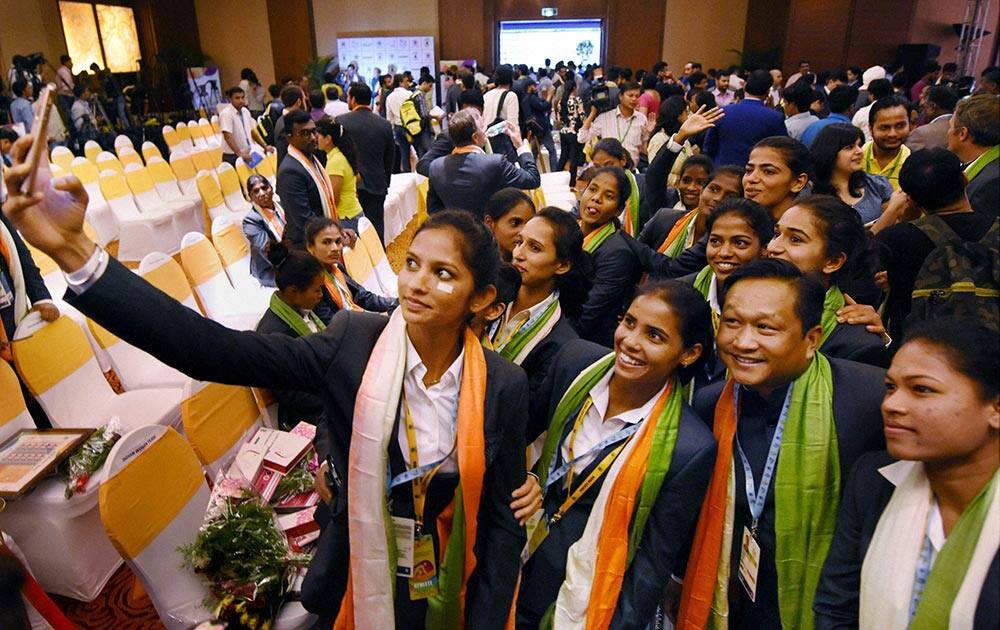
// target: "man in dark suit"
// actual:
[[745, 124], [300, 197], [468, 177], [292, 99], [372, 136], [768, 338], [442, 144], [938, 107], [974, 136]]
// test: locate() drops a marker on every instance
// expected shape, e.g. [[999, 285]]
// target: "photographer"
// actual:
[[622, 123], [82, 115], [65, 83]]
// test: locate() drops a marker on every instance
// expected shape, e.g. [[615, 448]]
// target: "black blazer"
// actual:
[[467, 180], [34, 286], [372, 136], [441, 147], [330, 365], [691, 260], [656, 229], [538, 363], [667, 538], [984, 190], [656, 194], [364, 298], [855, 343], [615, 275], [299, 198], [857, 397], [256, 230], [293, 404], [865, 497]]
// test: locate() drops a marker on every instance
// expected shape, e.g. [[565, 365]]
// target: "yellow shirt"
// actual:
[[348, 205], [891, 171]]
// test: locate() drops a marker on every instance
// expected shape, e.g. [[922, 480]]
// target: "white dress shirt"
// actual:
[[491, 102], [335, 108], [393, 102], [434, 411], [595, 428], [515, 322], [613, 124], [238, 124]]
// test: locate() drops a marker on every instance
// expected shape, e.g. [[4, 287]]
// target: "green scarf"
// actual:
[[513, 347], [952, 563], [592, 241], [981, 162], [683, 239], [703, 281], [632, 207], [660, 454], [292, 317], [806, 493], [833, 302]]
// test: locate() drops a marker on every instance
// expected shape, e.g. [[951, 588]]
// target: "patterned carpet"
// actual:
[[122, 605]]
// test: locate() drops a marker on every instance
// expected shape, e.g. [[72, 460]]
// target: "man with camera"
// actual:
[[622, 122]]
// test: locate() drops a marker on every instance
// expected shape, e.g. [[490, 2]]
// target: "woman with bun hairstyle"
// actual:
[[299, 277], [418, 379], [325, 241], [506, 212]]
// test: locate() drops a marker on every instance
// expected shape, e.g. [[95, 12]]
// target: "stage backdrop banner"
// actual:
[[403, 53]]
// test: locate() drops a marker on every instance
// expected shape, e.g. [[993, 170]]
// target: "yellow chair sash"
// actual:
[[216, 417], [129, 157], [51, 354], [160, 171], [109, 161], [170, 278], [206, 129], [183, 168], [139, 180], [104, 337], [210, 192], [42, 260], [150, 150], [139, 502], [216, 127], [266, 167], [171, 137], [63, 158], [215, 154], [86, 172], [202, 160], [376, 253], [243, 172], [92, 151], [422, 189], [113, 186], [358, 263], [11, 400], [200, 262], [183, 133], [229, 181], [231, 244], [194, 131]]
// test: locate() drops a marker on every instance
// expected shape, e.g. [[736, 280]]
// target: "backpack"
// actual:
[[409, 115], [501, 143], [958, 277]]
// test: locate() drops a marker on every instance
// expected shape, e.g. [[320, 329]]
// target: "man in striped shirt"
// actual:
[[623, 122]]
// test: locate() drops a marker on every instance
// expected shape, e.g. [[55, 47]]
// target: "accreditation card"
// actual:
[[749, 564]]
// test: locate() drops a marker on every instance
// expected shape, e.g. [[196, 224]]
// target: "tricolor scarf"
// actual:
[[597, 562], [368, 602], [681, 235], [35, 595], [630, 218], [336, 286], [273, 219], [833, 302], [703, 284], [806, 496], [292, 317], [596, 238], [321, 179], [8, 249], [520, 345], [953, 587]]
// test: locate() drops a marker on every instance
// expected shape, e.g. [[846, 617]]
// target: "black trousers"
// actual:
[[374, 209]]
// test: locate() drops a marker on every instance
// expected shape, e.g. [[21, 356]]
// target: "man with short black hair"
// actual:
[[697, 80], [468, 177], [798, 99], [393, 104], [623, 123], [874, 90], [841, 103], [239, 133], [82, 112], [889, 120], [937, 110], [496, 104], [744, 124], [64, 82], [20, 106], [7, 138], [293, 99], [935, 183], [790, 423], [804, 69], [974, 136], [376, 152], [303, 184]]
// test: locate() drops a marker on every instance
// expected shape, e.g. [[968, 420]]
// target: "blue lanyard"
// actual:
[[756, 498], [526, 325], [617, 436], [419, 471], [923, 570]]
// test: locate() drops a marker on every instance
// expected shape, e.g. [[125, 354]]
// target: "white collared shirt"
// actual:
[[613, 124], [896, 473], [595, 428], [393, 102], [434, 411], [518, 320], [713, 295], [238, 124]]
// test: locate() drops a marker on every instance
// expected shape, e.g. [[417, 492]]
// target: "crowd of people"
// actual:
[[750, 380]]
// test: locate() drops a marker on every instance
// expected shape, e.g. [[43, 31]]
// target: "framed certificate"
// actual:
[[32, 454]]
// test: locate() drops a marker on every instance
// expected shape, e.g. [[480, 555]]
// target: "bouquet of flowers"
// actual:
[[243, 557], [90, 457], [298, 480]]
